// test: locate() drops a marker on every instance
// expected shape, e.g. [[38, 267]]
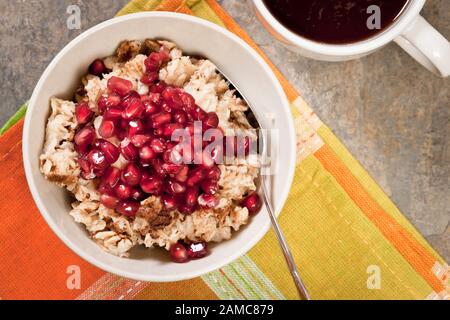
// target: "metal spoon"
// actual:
[[303, 292]]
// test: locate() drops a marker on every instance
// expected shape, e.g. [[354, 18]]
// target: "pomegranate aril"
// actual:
[[152, 185], [109, 200], [104, 188], [111, 177], [212, 120], [187, 100], [149, 78], [158, 87], [132, 174], [135, 127], [146, 153], [154, 62], [192, 196], [197, 250], [137, 194], [157, 165], [180, 117], [195, 177], [85, 165], [128, 151], [155, 98], [209, 186], [127, 208], [253, 203], [158, 132], [199, 114], [205, 159], [158, 145], [178, 253], [185, 209], [150, 107], [110, 101], [110, 151], [139, 140], [213, 173], [208, 201], [183, 174], [122, 190], [107, 129], [134, 110], [97, 159], [83, 113], [161, 118], [98, 68], [113, 114], [172, 169], [170, 128], [175, 188], [85, 137], [169, 202], [120, 86], [172, 97]]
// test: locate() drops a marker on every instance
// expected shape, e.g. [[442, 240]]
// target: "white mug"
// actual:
[[410, 31]]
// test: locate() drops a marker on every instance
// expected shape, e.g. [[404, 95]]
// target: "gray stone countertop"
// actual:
[[392, 114]]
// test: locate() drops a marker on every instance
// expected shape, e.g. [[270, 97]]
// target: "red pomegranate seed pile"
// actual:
[[144, 125]]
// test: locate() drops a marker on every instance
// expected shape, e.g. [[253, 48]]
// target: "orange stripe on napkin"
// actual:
[[40, 260], [175, 6], [418, 256]]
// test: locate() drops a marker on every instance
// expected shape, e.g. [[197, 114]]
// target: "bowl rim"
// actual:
[[28, 160]]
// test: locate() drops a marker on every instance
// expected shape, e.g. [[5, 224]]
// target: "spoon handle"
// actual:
[[303, 292]]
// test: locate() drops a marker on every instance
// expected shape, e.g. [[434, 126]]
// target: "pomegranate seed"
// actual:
[[205, 159], [97, 159], [158, 145], [137, 194], [150, 107], [106, 102], [170, 128], [175, 187], [172, 169], [213, 173], [149, 78], [158, 167], [178, 253], [158, 131], [199, 114], [161, 118], [134, 110], [85, 137], [110, 151], [135, 127], [197, 250], [107, 129], [212, 120], [192, 196], [185, 209], [158, 87], [188, 101], [172, 97], [120, 86], [208, 201], [180, 117], [111, 177], [128, 151], [155, 98], [147, 153], [195, 177], [154, 62], [113, 114], [209, 186], [152, 185], [169, 202], [98, 68], [122, 190], [139, 140], [84, 164], [127, 208], [183, 174], [109, 200], [252, 203], [128, 99], [132, 174], [83, 112]]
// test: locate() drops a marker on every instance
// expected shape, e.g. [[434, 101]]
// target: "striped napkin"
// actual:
[[349, 239]]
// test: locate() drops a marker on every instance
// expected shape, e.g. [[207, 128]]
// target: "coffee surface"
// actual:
[[334, 21]]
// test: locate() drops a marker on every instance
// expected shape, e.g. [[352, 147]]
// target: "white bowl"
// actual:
[[234, 57]]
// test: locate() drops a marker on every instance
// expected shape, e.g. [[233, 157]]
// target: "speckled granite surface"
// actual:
[[392, 114]]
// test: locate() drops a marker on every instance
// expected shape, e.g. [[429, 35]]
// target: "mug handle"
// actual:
[[425, 44]]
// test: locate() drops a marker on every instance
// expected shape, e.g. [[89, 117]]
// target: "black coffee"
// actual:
[[336, 21]]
